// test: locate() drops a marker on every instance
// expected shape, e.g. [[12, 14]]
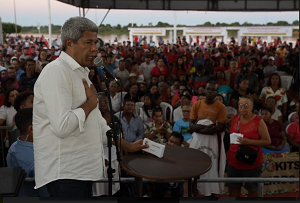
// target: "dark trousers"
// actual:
[[70, 188]]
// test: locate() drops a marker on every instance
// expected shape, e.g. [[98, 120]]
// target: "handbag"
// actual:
[[245, 153]]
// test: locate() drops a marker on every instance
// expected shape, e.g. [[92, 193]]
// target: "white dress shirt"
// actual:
[[66, 144], [177, 114], [116, 102]]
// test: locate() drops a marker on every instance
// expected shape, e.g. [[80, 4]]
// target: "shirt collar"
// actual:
[[71, 62], [133, 115], [26, 144]]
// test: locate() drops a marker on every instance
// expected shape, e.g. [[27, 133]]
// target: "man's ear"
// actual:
[[30, 129], [68, 42]]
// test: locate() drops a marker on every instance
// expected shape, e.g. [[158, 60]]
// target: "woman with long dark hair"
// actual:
[[274, 88], [145, 111], [179, 68]]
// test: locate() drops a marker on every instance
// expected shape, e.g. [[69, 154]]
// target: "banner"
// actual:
[[278, 165], [281, 165], [286, 31]]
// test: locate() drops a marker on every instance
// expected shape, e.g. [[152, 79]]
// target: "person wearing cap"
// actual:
[[281, 50], [132, 80], [118, 58], [185, 99], [246, 72], [7, 83], [7, 61], [133, 93], [270, 68]]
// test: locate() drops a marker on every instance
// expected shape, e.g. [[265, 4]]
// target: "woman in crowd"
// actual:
[[276, 132], [255, 135], [139, 74], [192, 67], [159, 131], [153, 89], [242, 90], [94, 78], [7, 111], [41, 59], [174, 88], [293, 132], [145, 112], [179, 68], [157, 98], [161, 69], [274, 88], [222, 65], [276, 113]]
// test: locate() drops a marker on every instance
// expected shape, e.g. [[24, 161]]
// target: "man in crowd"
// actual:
[[16, 66], [115, 96], [270, 68], [122, 73], [185, 100], [246, 72], [147, 67], [183, 125], [132, 124], [232, 73], [207, 122]]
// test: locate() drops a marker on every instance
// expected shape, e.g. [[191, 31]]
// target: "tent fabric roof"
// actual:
[[196, 5]]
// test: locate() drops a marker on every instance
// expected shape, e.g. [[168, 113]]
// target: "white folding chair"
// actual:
[[138, 105], [164, 107], [286, 81]]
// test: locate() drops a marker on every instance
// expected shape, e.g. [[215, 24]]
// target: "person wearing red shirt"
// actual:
[[255, 136], [172, 57], [161, 69], [222, 65]]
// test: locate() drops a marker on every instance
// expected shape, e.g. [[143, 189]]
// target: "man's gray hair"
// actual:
[[73, 29]]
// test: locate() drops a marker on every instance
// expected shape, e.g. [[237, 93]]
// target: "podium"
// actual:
[[178, 163]]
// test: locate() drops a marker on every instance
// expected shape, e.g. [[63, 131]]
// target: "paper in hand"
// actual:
[[234, 136]]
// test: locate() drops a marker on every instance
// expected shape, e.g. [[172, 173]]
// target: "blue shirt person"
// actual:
[[20, 154]]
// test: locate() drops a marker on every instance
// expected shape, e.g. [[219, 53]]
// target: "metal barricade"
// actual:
[[261, 181]]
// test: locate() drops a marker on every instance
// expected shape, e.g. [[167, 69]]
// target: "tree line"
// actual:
[[108, 29]]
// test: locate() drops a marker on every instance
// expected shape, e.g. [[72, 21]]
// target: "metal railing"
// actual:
[[261, 181]]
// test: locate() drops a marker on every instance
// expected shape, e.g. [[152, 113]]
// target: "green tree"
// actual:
[[207, 24], [270, 24], [282, 23], [235, 24], [161, 24], [296, 22], [9, 28], [247, 24]]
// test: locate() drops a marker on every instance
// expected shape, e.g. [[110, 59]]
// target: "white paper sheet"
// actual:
[[234, 136]]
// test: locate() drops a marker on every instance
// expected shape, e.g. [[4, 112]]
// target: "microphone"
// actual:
[[99, 63]]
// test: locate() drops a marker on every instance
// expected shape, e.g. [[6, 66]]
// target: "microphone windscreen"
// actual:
[[98, 61]]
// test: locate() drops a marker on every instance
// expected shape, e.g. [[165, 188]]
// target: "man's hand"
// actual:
[[137, 146], [91, 94]]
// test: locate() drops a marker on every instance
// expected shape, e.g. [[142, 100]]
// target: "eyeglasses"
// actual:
[[246, 106], [211, 89]]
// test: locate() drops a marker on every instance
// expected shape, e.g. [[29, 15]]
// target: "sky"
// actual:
[[34, 12]]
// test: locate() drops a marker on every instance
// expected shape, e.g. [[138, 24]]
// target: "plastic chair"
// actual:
[[164, 107], [138, 105], [286, 81]]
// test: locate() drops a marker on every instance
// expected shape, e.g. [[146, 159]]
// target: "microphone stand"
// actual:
[[111, 134]]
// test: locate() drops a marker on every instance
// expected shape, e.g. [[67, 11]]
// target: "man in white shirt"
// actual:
[[115, 96], [68, 128], [185, 101], [147, 67]]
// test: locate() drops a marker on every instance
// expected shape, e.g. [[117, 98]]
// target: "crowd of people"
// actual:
[[174, 94]]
